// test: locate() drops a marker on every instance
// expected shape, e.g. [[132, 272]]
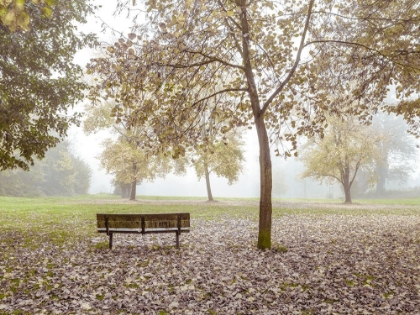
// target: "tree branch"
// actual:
[[366, 18], [293, 70], [219, 92], [213, 59], [401, 52]]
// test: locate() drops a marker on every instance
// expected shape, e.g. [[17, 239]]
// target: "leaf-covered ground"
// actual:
[[319, 264]]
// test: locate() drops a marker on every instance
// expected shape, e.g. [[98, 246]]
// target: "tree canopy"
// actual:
[[39, 81], [272, 64]]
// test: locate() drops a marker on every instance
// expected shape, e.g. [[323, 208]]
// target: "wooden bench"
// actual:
[[143, 224]]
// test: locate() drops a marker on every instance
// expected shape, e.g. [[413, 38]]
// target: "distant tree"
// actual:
[[122, 189], [19, 183], [82, 177], [39, 81], [397, 151], [346, 147], [64, 173], [223, 159], [60, 173], [363, 182], [130, 164]]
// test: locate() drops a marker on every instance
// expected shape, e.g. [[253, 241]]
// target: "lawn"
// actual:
[[327, 258]]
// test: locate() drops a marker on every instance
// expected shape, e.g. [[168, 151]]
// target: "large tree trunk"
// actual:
[[134, 184], [266, 183], [209, 194]]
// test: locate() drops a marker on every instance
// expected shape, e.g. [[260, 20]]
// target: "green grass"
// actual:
[[62, 217], [63, 220]]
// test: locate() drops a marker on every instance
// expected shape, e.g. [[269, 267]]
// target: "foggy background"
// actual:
[[88, 147]]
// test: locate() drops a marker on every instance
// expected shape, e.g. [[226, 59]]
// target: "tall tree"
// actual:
[[346, 148], [250, 54], [39, 81]]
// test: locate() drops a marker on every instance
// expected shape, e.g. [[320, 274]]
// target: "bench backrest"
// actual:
[[135, 221]]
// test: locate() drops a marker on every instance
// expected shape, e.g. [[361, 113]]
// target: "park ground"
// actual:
[[326, 258]]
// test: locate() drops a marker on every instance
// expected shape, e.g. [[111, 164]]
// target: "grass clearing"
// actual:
[[65, 218]]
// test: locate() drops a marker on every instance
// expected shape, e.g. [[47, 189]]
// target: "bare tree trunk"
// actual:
[[266, 183], [133, 184], [209, 194]]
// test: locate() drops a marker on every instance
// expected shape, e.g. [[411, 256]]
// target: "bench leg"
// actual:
[[110, 240], [177, 239]]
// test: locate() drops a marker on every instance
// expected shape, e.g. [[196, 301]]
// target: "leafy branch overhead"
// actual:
[[142, 97], [16, 14], [39, 81]]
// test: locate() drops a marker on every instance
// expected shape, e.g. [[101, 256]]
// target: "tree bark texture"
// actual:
[[347, 193], [266, 184]]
